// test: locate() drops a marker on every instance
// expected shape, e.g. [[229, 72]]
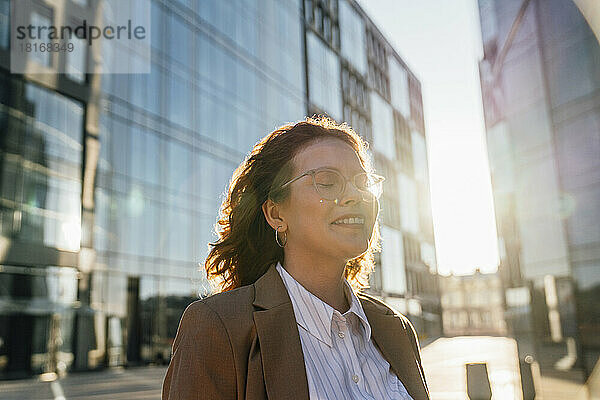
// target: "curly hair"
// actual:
[[246, 248]]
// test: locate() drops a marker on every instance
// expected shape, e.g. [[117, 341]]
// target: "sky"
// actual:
[[440, 41]]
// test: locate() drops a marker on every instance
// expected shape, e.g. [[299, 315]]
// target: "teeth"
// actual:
[[354, 220]]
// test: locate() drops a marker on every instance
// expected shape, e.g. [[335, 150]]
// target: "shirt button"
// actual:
[[341, 335], [355, 378]]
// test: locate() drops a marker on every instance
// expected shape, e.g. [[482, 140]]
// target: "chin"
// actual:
[[347, 246], [355, 251]]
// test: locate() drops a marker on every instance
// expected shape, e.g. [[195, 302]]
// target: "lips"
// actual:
[[350, 220]]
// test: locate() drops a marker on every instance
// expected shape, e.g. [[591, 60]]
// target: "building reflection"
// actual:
[[40, 216], [539, 79]]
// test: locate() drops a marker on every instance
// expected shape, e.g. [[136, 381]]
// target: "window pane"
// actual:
[[77, 59], [393, 268], [383, 126], [37, 19], [179, 167], [4, 24], [152, 154], [179, 235], [399, 87], [180, 41], [419, 152], [324, 77], [180, 101], [352, 30], [120, 145], [409, 212]]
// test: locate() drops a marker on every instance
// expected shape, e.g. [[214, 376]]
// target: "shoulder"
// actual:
[[375, 302], [376, 305], [232, 301], [384, 308], [222, 308]]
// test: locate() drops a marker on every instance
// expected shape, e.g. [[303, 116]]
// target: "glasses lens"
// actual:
[[329, 184], [363, 181], [369, 184]]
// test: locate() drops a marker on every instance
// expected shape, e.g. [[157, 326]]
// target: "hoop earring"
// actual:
[[277, 238]]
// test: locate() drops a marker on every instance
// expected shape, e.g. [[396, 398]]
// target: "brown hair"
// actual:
[[246, 246]]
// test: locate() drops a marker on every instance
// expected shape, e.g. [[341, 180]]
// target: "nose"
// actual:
[[351, 195]]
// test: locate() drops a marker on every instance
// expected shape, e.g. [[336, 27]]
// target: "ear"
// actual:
[[271, 211]]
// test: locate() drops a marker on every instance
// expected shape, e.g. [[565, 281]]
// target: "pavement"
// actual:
[[443, 361], [563, 386], [138, 383], [557, 384], [444, 364]]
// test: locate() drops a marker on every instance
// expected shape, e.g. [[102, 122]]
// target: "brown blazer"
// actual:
[[244, 344]]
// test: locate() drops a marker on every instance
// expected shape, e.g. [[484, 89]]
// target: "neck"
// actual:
[[322, 276]]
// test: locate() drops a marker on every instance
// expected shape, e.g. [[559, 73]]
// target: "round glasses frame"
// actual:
[[367, 195]]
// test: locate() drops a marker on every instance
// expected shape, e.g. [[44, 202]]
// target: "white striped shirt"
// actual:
[[341, 360]]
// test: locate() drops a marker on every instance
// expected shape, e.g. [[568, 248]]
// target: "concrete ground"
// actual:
[[443, 360], [561, 387], [112, 384], [444, 364]]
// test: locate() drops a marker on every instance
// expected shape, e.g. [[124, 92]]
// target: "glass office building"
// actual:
[[540, 82], [110, 183]]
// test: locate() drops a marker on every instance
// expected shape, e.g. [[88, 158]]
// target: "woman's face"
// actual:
[[318, 227]]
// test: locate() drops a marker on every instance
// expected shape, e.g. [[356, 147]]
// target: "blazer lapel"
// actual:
[[390, 335], [280, 346], [281, 349]]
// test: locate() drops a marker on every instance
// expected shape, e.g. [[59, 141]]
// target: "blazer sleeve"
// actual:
[[202, 364]]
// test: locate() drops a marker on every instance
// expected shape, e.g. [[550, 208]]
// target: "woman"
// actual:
[[297, 233]]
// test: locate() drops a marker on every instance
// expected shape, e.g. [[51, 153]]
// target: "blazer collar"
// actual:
[[316, 316], [269, 290], [281, 349]]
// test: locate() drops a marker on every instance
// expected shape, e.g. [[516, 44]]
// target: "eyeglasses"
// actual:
[[330, 184]]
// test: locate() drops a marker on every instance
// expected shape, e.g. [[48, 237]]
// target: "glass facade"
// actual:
[[165, 160], [542, 124], [110, 184], [40, 209], [41, 152]]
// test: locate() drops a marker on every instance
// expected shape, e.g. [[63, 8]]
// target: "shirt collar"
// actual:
[[314, 315]]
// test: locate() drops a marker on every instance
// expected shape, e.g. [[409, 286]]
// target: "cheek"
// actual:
[[309, 215], [316, 216]]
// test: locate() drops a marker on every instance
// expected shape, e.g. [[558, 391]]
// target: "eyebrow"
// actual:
[[338, 170]]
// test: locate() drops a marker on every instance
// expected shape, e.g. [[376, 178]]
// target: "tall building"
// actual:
[[110, 183], [540, 79]]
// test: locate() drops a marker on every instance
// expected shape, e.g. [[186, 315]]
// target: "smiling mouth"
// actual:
[[355, 221]]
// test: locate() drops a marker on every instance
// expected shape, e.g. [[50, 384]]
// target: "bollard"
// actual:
[[478, 382], [527, 382]]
